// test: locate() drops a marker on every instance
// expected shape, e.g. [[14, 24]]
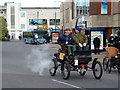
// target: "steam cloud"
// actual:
[[39, 59]]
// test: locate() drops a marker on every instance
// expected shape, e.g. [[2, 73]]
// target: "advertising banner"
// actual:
[[38, 21], [104, 7], [55, 37], [98, 34]]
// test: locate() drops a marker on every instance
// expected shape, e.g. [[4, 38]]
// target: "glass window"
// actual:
[[52, 21], [12, 9], [22, 26], [80, 12], [45, 21], [85, 10], [36, 36], [22, 14]]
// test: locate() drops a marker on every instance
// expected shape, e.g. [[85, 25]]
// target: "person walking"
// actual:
[[12, 37], [96, 43], [48, 39], [80, 39]]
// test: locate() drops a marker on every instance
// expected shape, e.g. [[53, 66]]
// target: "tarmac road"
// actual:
[[22, 63]]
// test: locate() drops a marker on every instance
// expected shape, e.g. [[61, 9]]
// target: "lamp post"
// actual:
[[55, 21], [37, 18]]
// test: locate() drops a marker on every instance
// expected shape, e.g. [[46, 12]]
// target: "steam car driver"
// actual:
[[66, 39]]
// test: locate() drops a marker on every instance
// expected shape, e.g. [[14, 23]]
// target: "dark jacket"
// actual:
[[111, 39], [96, 42], [118, 44], [62, 39]]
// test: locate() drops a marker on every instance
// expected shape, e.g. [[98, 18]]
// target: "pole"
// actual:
[[37, 18], [55, 21], [1, 29]]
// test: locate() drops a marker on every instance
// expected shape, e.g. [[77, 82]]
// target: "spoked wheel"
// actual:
[[105, 64], [119, 67], [82, 72], [53, 67], [109, 66], [65, 70], [97, 70]]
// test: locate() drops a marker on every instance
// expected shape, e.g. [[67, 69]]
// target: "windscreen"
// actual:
[[40, 35], [27, 34]]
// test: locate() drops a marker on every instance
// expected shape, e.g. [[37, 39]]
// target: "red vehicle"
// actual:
[[76, 61]]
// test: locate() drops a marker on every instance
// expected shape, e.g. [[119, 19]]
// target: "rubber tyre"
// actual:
[[54, 62], [82, 73], [100, 71], [118, 70], [109, 66], [65, 65], [105, 64]]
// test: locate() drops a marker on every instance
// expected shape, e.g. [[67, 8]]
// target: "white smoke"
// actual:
[[39, 59]]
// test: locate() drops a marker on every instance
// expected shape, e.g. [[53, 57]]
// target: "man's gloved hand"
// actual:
[[66, 42], [84, 44], [80, 45]]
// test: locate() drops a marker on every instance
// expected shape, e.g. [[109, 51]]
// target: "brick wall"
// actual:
[[108, 32], [116, 7], [95, 8]]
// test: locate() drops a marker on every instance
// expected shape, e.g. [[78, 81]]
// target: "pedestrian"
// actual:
[[48, 39], [96, 43], [80, 39], [118, 42], [8, 37], [19, 37], [12, 37], [66, 39]]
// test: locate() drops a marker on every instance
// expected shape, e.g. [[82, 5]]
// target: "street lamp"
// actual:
[[37, 18], [55, 21]]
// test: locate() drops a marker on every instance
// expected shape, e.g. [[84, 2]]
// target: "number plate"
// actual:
[[62, 56]]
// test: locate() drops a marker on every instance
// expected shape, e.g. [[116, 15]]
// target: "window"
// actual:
[[23, 15], [77, 12], [52, 21], [12, 9], [80, 12], [85, 10], [22, 26], [44, 21]]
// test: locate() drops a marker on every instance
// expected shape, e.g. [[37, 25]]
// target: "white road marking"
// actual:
[[66, 83]]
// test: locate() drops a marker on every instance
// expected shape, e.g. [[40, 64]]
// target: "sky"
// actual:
[[35, 3]]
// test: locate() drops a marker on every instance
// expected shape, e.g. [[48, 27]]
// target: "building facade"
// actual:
[[20, 19], [71, 10], [101, 14], [108, 17]]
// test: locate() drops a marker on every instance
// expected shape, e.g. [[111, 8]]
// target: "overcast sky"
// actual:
[[35, 3]]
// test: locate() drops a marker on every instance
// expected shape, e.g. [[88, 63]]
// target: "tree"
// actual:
[[3, 28]]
